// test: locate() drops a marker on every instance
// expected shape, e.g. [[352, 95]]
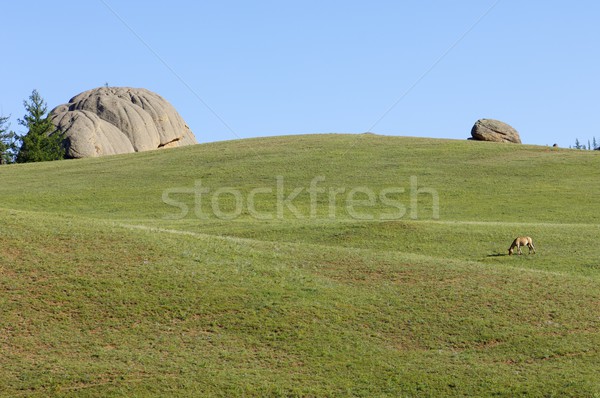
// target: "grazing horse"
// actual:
[[521, 241]]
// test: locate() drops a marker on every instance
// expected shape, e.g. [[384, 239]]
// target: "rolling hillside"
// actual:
[[317, 265]]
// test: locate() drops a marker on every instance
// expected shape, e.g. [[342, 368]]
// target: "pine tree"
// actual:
[[42, 142], [8, 142], [577, 144]]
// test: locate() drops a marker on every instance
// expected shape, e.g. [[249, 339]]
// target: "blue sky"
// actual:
[[238, 69]]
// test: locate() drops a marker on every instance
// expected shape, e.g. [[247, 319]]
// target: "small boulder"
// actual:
[[495, 131]]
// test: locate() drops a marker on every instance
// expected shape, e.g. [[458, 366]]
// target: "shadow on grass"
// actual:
[[497, 255]]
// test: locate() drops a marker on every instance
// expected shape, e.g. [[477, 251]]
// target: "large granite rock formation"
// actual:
[[113, 120], [494, 130]]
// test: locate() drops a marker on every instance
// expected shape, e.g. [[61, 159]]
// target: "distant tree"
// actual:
[[41, 142], [591, 145], [8, 142]]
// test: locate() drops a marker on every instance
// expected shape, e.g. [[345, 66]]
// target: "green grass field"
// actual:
[[310, 266]]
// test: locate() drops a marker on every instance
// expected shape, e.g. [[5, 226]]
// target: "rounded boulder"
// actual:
[[114, 120], [495, 131]]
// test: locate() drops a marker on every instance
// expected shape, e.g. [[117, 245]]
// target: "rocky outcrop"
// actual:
[[114, 120], [494, 130]]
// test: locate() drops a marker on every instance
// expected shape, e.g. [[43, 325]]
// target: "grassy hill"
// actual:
[[321, 265]]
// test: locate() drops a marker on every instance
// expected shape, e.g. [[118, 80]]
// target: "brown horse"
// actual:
[[521, 241]]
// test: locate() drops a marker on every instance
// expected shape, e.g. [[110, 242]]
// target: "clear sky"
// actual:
[[238, 69]]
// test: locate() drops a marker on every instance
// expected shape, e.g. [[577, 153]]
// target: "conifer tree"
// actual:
[[41, 143], [8, 142]]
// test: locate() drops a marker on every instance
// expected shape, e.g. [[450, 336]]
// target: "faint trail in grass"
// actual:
[[511, 223], [325, 221], [409, 256], [187, 233]]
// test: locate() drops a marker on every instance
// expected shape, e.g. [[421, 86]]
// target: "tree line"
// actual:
[[590, 145], [41, 142]]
